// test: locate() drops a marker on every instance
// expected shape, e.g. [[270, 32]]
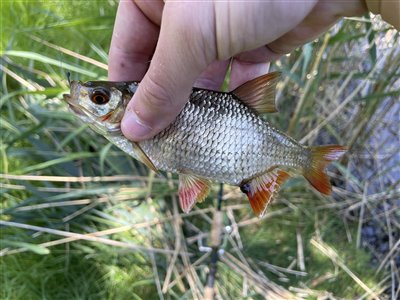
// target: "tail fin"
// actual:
[[321, 156]]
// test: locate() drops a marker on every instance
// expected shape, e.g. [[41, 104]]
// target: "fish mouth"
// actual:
[[76, 110], [73, 108]]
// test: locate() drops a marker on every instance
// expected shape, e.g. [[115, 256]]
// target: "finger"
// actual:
[[133, 42], [213, 77], [324, 14], [175, 66], [152, 10], [249, 65], [244, 67], [269, 21], [242, 70]]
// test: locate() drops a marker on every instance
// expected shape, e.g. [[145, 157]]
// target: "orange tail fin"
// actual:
[[321, 156]]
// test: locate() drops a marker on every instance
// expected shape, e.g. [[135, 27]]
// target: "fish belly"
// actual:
[[226, 145]]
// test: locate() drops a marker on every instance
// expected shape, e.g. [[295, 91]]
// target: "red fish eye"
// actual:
[[100, 97]]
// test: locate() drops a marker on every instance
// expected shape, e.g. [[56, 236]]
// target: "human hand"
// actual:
[[178, 45]]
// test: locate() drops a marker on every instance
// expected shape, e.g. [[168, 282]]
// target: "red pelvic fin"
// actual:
[[262, 190], [259, 93], [315, 173], [192, 189]]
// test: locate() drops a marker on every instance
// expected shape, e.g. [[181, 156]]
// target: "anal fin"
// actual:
[[262, 189], [192, 189]]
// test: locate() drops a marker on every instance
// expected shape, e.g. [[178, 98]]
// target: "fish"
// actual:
[[217, 137]]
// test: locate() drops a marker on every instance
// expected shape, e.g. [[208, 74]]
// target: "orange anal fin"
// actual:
[[259, 93], [192, 189], [262, 189], [315, 173]]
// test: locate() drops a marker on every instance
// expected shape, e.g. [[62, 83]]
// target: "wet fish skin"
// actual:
[[216, 137]]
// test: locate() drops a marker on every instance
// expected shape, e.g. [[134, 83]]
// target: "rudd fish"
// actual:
[[216, 137]]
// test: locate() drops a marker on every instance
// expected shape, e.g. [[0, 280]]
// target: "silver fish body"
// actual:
[[216, 137]]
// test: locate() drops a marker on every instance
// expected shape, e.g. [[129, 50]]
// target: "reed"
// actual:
[[82, 220]]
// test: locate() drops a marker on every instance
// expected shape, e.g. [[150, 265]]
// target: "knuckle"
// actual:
[[157, 96]]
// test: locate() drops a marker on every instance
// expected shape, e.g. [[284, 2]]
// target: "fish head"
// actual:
[[101, 104]]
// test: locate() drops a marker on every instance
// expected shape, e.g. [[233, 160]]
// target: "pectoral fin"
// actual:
[[143, 157], [262, 189], [259, 93], [192, 189]]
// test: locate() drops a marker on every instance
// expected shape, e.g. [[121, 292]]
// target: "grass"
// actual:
[[82, 220]]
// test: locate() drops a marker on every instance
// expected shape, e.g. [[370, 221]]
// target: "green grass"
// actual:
[[334, 90]]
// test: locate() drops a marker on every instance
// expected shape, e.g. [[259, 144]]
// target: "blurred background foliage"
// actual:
[[82, 220]]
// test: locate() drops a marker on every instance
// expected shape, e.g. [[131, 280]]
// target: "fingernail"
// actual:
[[134, 128]]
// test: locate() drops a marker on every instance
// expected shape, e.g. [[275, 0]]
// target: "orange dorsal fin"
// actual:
[[192, 189], [262, 189], [321, 156], [259, 93]]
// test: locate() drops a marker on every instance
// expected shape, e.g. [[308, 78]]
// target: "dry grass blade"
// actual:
[[280, 269], [304, 96], [74, 202], [78, 179], [156, 275], [22, 81], [300, 251], [343, 104], [71, 53], [333, 255], [89, 237], [177, 222], [265, 287], [393, 250], [110, 231], [70, 239], [81, 211], [362, 211]]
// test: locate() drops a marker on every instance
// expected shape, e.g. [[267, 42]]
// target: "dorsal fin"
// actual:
[[259, 93], [261, 190], [192, 189]]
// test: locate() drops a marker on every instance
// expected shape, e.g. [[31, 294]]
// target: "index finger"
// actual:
[[133, 41]]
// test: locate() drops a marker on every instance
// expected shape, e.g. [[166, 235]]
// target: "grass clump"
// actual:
[[94, 276], [82, 220]]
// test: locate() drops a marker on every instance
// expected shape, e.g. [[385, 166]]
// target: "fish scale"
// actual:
[[216, 137], [230, 145]]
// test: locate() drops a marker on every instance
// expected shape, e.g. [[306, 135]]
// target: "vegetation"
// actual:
[[82, 220]]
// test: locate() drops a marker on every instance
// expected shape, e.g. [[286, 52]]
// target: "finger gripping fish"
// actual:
[[217, 137]]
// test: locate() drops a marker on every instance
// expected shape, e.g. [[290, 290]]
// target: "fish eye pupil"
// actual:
[[100, 97]]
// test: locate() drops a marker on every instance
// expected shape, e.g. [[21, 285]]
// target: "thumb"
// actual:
[[179, 58]]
